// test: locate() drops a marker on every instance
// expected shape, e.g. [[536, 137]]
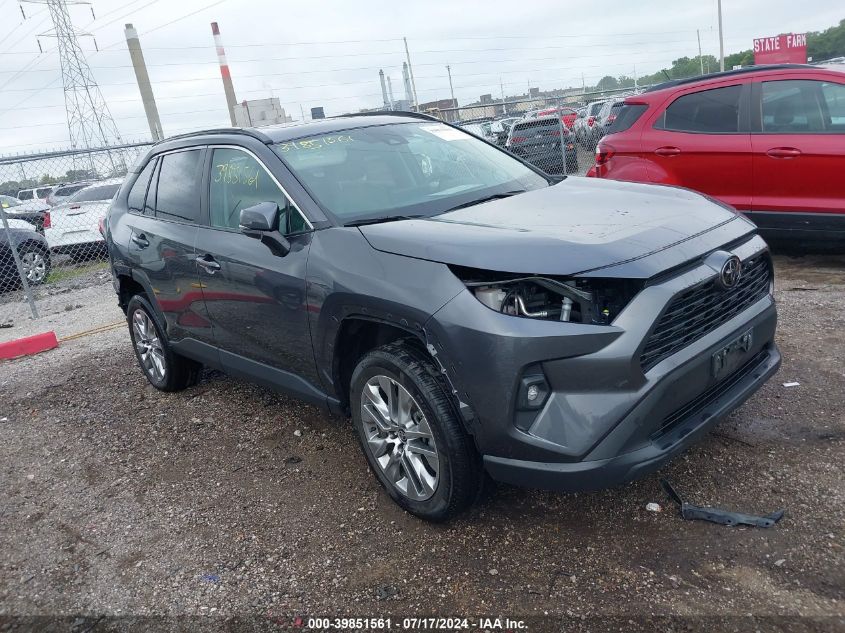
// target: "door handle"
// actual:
[[208, 264], [784, 152], [667, 151], [141, 240]]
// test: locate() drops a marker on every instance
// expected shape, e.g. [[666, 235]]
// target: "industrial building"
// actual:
[[260, 112]]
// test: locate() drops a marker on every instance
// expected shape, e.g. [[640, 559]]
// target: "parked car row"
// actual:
[[543, 138], [769, 141], [71, 224]]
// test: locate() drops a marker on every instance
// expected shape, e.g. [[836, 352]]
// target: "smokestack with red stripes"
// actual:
[[224, 72]]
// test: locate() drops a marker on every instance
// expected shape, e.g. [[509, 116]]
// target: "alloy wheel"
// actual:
[[148, 345], [400, 438], [34, 266]]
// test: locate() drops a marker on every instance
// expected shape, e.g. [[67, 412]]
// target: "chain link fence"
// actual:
[[51, 208], [558, 131]]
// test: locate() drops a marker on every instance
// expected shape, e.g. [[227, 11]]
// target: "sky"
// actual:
[[329, 53]]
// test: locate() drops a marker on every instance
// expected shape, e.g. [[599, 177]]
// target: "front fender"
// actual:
[[347, 278]]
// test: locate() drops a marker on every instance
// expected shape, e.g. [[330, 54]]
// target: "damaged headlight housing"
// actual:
[[551, 298]]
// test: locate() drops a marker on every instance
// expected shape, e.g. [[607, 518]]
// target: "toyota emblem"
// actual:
[[730, 273]]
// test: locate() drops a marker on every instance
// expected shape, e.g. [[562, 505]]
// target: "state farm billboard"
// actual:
[[789, 48]]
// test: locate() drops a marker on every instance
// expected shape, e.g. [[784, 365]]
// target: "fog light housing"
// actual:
[[533, 392]]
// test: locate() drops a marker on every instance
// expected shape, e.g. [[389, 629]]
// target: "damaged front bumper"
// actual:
[[604, 419]]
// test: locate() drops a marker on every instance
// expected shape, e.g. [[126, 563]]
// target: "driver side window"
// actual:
[[239, 181]]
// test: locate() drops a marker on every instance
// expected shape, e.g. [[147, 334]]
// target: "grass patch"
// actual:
[[65, 272]]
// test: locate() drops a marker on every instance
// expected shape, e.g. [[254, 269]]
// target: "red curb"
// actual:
[[29, 345]]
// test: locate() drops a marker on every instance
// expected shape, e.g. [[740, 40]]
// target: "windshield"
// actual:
[[402, 169], [105, 192]]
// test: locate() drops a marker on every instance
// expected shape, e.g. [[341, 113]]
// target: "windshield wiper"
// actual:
[[384, 218], [495, 196]]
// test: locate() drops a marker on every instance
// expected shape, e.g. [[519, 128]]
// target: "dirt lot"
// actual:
[[230, 500]]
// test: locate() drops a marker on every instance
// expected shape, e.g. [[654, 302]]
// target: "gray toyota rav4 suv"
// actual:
[[470, 313]]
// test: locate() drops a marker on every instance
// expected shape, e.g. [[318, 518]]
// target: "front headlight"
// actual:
[[587, 300]]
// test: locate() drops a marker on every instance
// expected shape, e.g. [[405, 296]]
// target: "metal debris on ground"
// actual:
[[717, 515], [653, 507], [791, 384]]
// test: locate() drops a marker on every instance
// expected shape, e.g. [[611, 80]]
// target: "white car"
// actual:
[[73, 228], [39, 194]]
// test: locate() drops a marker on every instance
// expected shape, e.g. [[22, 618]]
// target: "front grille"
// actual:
[[698, 311], [715, 392]]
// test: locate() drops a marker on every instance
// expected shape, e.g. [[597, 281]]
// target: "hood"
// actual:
[[577, 226]]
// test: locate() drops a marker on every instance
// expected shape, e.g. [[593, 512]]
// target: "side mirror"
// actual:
[[261, 221], [263, 216]]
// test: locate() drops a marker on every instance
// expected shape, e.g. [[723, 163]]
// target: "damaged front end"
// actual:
[[593, 301]]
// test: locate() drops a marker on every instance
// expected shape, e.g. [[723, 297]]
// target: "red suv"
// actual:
[[769, 141]]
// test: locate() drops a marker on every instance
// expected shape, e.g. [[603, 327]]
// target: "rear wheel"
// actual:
[[165, 369], [35, 261], [410, 433]]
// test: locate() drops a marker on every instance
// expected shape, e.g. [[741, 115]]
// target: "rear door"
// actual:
[[799, 147], [162, 236], [255, 299], [700, 140]]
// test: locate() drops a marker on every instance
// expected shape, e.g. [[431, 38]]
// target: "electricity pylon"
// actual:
[[90, 124]]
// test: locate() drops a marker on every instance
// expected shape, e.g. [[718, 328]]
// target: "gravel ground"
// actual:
[[229, 500], [78, 302]]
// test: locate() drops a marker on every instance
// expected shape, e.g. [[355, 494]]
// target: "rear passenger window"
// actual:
[[713, 111], [178, 186], [803, 107], [135, 201], [239, 181]]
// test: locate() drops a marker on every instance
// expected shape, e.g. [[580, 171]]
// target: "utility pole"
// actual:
[[451, 87], [143, 79], [721, 38], [502, 88], [635, 78], [302, 112], [700, 58], [411, 70], [228, 88], [89, 122]]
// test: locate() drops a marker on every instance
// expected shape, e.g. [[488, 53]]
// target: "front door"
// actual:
[[255, 299]]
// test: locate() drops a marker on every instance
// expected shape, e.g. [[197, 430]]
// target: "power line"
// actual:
[[161, 26], [521, 70]]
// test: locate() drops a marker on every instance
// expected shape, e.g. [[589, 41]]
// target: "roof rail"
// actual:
[[726, 73], [403, 113], [223, 130]]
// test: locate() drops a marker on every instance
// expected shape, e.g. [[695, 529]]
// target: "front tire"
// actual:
[[410, 433], [165, 369]]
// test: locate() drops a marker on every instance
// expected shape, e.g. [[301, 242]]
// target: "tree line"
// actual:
[[821, 45]]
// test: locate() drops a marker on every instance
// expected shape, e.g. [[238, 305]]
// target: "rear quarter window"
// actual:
[[135, 201], [626, 117]]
